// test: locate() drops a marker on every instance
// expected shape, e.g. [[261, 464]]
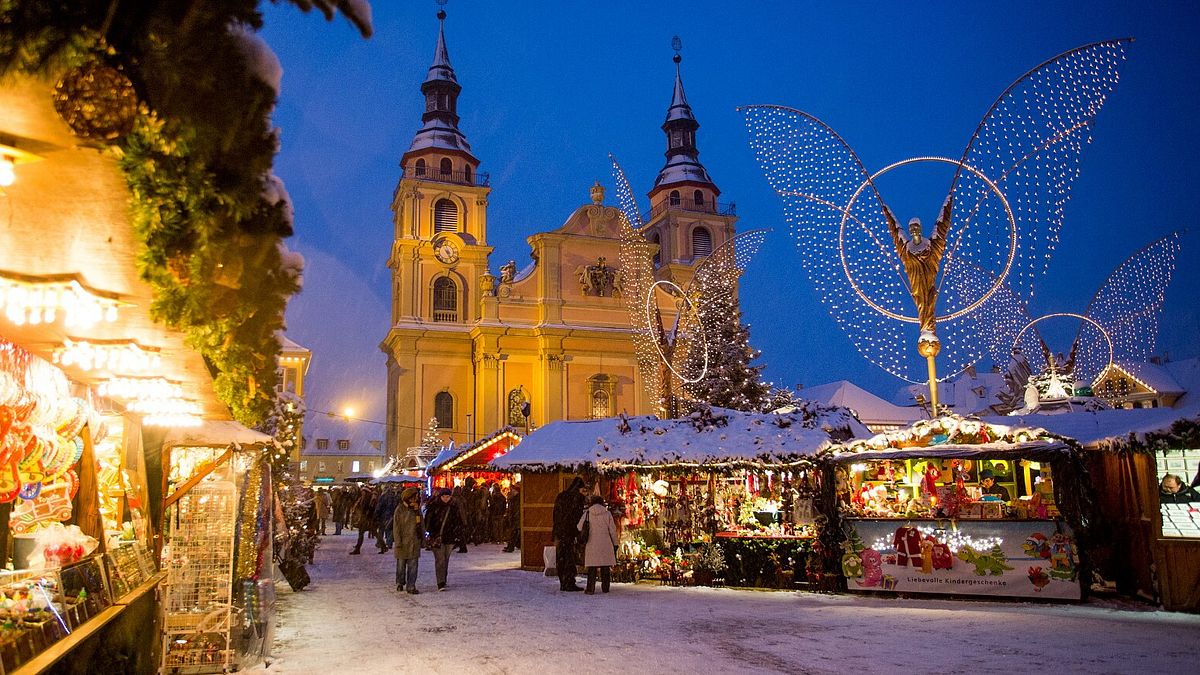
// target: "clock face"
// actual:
[[445, 251]]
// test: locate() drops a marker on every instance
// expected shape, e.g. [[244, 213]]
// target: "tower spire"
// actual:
[[683, 158], [440, 129]]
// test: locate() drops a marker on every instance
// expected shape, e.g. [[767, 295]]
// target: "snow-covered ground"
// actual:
[[495, 618]]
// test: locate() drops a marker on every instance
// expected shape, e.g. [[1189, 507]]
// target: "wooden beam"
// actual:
[[191, 482], [88, 498]]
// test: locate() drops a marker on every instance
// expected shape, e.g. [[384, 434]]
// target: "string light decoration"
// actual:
[[34, 300], [118, 357], [1120, 323], [139, 388], [671, 359], [1010, 189]]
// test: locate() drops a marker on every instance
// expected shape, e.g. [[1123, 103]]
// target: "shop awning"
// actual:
[[1033, 450]]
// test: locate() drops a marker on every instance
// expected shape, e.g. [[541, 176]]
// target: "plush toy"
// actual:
[[852, 567], [872, 563], [943, 559], [929, 482], [927, 556]]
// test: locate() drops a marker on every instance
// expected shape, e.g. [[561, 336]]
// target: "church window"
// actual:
[[698, 198], [445, 300], [654, 239], [467, 174], [516, 404], [445, 216], [677, 138], [420, 167], [701, 243], [600, 394], [674, 200], [446, 166], [443, 410]]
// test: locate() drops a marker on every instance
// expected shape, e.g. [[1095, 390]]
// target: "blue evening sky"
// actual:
[[550, 88]]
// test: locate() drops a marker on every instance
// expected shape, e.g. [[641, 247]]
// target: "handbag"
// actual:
[[587, 528]]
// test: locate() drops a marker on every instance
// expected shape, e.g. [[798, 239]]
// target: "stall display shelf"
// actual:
[[197, 609]]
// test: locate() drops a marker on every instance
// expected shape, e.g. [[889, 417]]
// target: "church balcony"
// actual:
[[435, 175], [662, 207]]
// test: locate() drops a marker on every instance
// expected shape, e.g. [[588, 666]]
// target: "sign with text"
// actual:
[[1028, 558]]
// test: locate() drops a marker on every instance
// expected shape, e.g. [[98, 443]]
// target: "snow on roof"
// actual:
[[214, 434], [870, 408], [967, 394], [1154, 376], [723, 436], [1104, 428]]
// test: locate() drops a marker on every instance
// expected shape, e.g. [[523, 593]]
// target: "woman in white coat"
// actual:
[[600, 551]]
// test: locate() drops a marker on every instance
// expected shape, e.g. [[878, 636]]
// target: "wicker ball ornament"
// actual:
[[96, 101]]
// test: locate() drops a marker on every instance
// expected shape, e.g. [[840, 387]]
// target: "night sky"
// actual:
[[549, 89]]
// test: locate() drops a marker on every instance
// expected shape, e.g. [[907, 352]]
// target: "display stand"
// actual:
[[197, 602]]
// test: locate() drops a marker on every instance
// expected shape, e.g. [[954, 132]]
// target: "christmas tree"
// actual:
[[730, 381], [432, 438]]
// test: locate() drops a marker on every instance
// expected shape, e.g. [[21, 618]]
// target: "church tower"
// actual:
[[438, 253], [685, 220]]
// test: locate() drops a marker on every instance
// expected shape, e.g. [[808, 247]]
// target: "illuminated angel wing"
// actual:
[[837, 218], [992, 329], [1129, 305], [1023, 160], [637, 282]]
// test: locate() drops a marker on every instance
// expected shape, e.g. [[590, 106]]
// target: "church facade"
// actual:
[[479, 350]]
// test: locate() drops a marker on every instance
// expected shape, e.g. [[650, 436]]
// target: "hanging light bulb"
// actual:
[[8, 173]]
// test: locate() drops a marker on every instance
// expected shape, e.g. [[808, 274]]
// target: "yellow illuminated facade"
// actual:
[[478, 347]]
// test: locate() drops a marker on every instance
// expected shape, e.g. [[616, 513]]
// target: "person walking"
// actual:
[[322, 504], [512, 519], [497, 508], [457, 495], [340, 508], [364, 517], [407, 536], [600, 543], [443, 529], [568, 509], [384, 508]]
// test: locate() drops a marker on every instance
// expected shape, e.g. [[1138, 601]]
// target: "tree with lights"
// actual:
[[731, 381], [432, 438]]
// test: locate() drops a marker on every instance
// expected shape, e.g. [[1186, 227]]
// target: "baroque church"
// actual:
[[479, 351]]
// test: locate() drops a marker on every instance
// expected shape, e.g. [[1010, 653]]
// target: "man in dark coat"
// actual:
[[512, 519], [568, 509], [384, 508], [444, 528], [497, 505], [364, 517]]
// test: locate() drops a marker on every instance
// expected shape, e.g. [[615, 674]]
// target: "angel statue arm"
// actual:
[[937, 241], [899, 238]]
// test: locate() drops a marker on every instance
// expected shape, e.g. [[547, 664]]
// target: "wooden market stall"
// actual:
[[452, 466], [1148, 542], [733, 494], [958, 506]]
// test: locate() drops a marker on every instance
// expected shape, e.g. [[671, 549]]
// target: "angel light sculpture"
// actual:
[[1002, 212]]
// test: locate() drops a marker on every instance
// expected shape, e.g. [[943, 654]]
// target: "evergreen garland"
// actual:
[[197, 164]]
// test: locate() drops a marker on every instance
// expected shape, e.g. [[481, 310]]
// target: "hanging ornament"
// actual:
[[96, 101]]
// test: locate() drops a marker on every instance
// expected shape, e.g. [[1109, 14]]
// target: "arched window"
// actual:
[[420, 167], [467, 174], [445, 216], [446, 166], [674, 200], [701, 243], [443, 410], [676, 138], [445, 299], [654, 239], [698, 198], [600, 393], [516, 403]]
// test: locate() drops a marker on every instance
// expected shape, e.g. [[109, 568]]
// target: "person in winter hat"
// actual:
[[407, 533], [600, 549], [568, 509], [444, 529]]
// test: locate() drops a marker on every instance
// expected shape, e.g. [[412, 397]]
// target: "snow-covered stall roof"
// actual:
[[475, 454], [214, 434], [952, 436], [1105, 429], [716, 438]]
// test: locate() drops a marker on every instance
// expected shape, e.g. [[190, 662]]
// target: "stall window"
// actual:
[[1178, 473]]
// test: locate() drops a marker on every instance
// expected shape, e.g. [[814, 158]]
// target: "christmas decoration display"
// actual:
[[1002, 213], [196, 150]]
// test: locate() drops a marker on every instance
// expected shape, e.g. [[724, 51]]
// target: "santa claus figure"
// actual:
[[907, 541]]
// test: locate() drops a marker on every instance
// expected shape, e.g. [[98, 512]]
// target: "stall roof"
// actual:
[[465, 453], [1104, 428], [1035, 450], [214, 434], [722, 437], [870, 408]]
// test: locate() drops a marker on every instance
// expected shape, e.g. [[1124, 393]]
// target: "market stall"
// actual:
[[716, 497], [959, 506], [454, 465], [218, 596]]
